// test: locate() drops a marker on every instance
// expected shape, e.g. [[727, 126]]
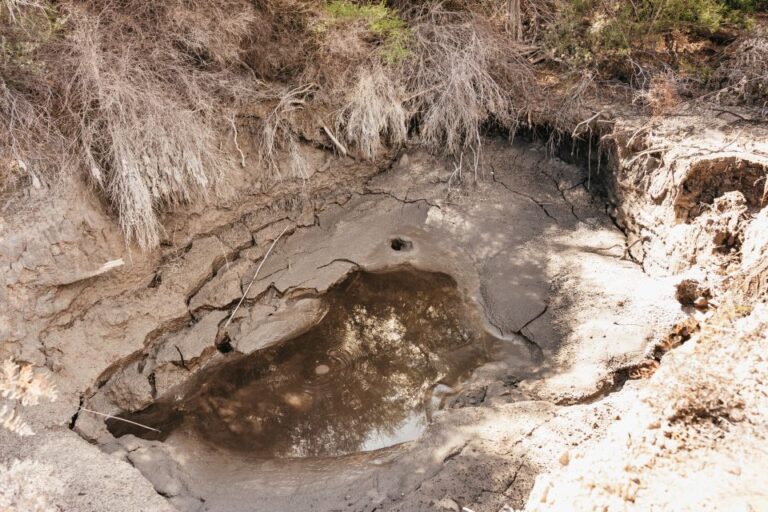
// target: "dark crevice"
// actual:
[[368, 192], [339, 260], [181, 356], [562, 192], [73, 420]]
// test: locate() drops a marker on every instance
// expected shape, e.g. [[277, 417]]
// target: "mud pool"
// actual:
[[389, 352]]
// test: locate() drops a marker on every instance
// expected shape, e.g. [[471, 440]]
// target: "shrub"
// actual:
[[610, 34]]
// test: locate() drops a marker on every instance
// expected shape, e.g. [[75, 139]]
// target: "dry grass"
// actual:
[[14, 7], [278, 135], [462, 75], [20, 385], [142, 87], [374, 113], [23, 127], [743, 75]]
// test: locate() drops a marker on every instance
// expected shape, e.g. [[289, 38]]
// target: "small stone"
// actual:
[[322, 369], [565, 458], [736, 415], [447, 504], [701, 302], [654, 425]]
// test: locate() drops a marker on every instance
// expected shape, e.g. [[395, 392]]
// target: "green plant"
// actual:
[[595, 32], [382, 21]]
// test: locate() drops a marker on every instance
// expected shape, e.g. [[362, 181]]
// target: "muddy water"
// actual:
[[368, 376]]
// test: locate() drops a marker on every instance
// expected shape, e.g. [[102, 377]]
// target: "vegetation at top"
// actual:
[[384, 22], [137, 95]]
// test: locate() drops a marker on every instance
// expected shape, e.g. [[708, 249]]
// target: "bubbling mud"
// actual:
[[367, 376]]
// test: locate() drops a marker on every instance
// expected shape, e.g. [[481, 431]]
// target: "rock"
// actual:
[[262, 331], [190, 343], [129, 390], [701, 302], [224, 288], [169, 376], [195, 267], [158, 467], [689, 291], [447, 504]]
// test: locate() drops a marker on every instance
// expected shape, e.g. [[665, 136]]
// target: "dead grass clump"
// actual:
[[461, 75], [374, 112], [142, 84], [30, 143], [14, 7], [277, 133], [281, 47], [23, 128], [20, 385]]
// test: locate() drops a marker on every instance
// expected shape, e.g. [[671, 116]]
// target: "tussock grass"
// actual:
[[278, 134], [374, 113], [142, 85], [141, 139], [463, 74]]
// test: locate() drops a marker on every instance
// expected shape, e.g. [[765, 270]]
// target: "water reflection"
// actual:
[[359, 380]]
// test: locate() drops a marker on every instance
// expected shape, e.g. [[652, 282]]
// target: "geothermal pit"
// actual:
[[408, 340]]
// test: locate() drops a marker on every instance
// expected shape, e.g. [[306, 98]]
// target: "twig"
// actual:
[[659, 149], [116, 418], [575, 132], [338, 144], [237, 146], [253, 279]]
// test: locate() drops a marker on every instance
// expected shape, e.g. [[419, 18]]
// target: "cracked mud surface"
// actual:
[[527, 244]]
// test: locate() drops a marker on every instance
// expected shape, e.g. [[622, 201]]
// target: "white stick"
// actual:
[[119, 419], [338, 144], [247, 289]]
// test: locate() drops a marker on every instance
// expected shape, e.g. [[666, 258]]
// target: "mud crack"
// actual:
[[535, 201]]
